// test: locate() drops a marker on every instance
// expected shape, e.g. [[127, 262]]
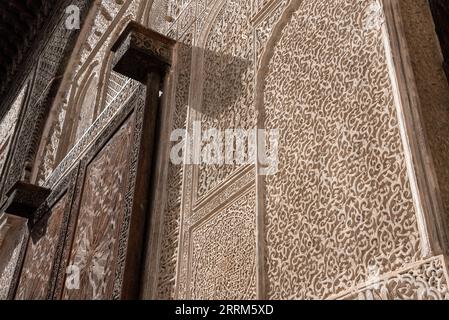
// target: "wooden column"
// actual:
[[145, 56]]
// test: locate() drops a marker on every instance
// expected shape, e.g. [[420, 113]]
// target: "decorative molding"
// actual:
[[102, 123]]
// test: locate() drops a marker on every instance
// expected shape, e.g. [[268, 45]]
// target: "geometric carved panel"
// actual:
[[341, 202], [96, 238], [40, 254], [223, 253]]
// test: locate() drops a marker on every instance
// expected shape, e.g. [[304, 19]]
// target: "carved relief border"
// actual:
[[223, 194], [104, 121]]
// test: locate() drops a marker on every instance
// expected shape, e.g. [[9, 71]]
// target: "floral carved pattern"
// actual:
[[172, 215], [426, 281], [228, 84], [40, 254], [96, 244], [7, 126], [341, 201], [224, 253]]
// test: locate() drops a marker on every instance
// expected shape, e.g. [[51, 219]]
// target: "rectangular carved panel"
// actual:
[[103, 245], [223, 253], [96, 239], [11, 256], [219, 247], [40, 254]]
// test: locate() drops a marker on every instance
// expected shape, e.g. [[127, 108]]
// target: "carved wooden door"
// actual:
[[87, 240], [101, 257]]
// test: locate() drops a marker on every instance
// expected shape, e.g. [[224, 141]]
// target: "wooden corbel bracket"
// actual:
[[23, 199], [140, 51]]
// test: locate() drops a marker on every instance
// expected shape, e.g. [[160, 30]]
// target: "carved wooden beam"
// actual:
[[140, 51], [23, 199]]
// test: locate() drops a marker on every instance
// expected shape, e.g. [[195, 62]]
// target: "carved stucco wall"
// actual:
[[8, 125], [341, 204], [340, 215], [11, 233], [342, 186]]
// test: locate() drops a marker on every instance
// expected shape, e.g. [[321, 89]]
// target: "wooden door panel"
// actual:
[[103, 231], [96, 238], [45, 243], [38, 260]]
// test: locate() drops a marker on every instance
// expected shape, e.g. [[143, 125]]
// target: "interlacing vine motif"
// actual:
[[341, 201]]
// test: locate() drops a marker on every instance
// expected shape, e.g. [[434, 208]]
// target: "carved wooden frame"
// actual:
[[131, 233]]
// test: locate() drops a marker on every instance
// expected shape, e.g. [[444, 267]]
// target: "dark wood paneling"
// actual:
[[96, 240], [40, 255], [105, 236], [48, 228]]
